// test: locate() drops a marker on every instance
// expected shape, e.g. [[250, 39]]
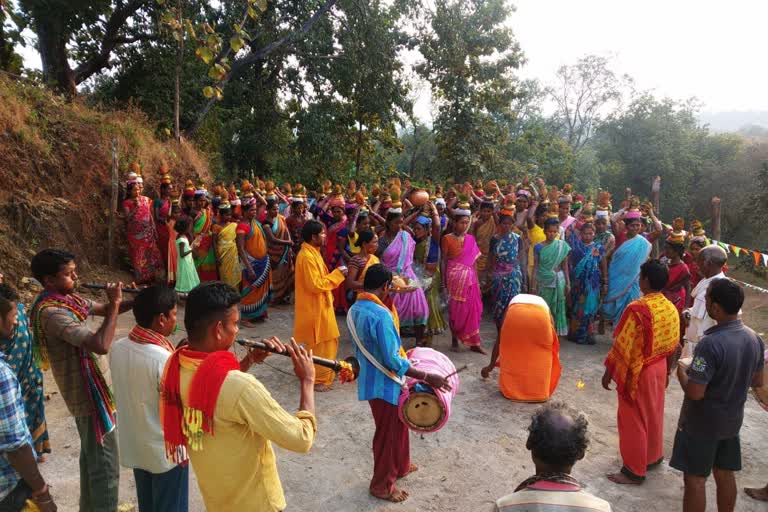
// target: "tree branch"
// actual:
[[252, 58], [110, 41]]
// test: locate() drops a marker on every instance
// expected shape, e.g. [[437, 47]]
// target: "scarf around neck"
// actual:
[[144, 336], [184, 426]]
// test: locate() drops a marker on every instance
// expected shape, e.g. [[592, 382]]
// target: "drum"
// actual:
[[761, 393], [422, 408]]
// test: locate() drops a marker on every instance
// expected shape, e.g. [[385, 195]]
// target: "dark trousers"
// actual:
[[163, 492], [17, 498], [391, 447], [99, 468]]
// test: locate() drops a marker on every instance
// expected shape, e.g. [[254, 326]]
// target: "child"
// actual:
[[186, 274]]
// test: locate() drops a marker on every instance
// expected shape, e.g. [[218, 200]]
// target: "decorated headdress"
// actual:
[[394, 194], [286, 188], [269, 190], [508, 206], [299, 193], [463, 208], [189, 188], [587, 214], [697, 229], [224, 205], [337, 199], [247, 190], [165, 174], [604, 201], [361, 196], [633, 212], [678, 234]]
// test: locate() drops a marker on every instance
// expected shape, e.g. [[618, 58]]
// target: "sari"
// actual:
[[412, 308], [678, 274], [161, 227], [507, 275], [585, 286], [483, 236], [535, 236], [427, 253], [255, 294], [280, 260], [18, 355], [624, 276], [465, 305], [142, 239], [171, 263], [205, 262], [226, 253], [333, 255], [551, 281]]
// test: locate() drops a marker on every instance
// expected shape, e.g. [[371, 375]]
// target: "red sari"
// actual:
[[161, 226], [675, 290], [142, 239]]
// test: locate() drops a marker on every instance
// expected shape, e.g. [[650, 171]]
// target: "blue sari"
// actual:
[[624, 276], [18, 355], [585, 285], [507, 275]]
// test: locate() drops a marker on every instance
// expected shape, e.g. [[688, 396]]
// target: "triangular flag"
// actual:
[[756, 255], [709, 241], [765, 260], [736, 250], [725, 247]]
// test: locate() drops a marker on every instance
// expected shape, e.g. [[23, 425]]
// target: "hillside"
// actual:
[[55, 171]]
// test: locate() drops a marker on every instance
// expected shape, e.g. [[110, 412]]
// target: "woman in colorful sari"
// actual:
[[279, 245], [504, 262], [204, 253], [257, 278], [483, 229], [142, 237], [161, 212], [224, 234], [18, 355], [396, 247], [368, 243], [550, 276], [465, 305], [624, 269], [679, 282], [172, 263], [426, 231], [589, 271]]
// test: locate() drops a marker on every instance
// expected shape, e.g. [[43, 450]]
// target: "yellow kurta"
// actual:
[[314, 320], [236, 469]]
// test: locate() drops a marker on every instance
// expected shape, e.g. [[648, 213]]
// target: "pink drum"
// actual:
[[421, 407]]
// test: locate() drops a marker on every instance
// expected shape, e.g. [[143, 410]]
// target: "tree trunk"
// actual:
[[52, 45], [358, 156], [179, 61], [716, 218]]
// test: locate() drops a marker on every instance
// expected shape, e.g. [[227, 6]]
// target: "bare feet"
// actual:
[[479, 349], [322, 388], [411, 469], [622, 479], [396, 496], [760, 494], [41, 458]]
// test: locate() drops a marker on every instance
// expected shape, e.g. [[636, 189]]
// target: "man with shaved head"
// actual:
[[710, 261], [557, 439]]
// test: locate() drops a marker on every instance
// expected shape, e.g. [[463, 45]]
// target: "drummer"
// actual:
[[382, 367]]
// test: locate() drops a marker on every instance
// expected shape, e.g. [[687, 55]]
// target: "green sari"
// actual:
[[551, 281]]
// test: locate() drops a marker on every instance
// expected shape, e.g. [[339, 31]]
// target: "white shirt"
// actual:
[[136, 373], [700, 320]]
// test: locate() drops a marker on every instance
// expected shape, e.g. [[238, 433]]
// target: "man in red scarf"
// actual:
[[137, 363], [223, 417]]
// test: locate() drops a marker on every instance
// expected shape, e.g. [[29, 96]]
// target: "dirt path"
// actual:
[[479, 456]]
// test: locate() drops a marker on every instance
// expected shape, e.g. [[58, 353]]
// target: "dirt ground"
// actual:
[[479, 456]]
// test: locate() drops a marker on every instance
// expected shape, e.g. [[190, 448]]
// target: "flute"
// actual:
[[349, 364], [100, 286]]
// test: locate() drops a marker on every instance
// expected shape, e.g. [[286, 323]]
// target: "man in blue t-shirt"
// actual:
[[382, 365], [728, 360]]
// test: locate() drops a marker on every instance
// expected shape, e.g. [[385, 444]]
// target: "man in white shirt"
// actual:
[[137, 364], [710, 260]]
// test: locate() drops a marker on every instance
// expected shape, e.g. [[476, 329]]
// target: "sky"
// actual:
[[713, 50]]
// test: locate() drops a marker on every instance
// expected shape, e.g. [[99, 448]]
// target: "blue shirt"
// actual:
[[13, 426], [377, 333]]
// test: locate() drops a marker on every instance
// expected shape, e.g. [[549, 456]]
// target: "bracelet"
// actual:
[[43, 502], [43, 490]]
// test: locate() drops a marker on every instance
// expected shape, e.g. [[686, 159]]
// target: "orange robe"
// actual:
[[529, 352], [314, 318], [648, 332]]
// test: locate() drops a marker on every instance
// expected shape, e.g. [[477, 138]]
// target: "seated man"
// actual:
[[557, 439], [528, 348], [204, 388]]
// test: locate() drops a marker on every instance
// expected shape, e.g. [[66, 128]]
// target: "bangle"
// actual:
[[43, 490]]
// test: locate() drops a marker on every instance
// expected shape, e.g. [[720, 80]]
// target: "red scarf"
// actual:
[[185, 425], [144, 336]]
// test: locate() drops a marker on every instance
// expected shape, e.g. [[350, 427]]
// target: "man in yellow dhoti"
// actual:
[[314, 317]]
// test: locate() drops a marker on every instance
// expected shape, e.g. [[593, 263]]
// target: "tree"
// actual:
[[470, 55], [584, 93], [10, 61]]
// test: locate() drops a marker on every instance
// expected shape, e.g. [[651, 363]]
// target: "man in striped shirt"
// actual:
[[557, 439], [382, 362]]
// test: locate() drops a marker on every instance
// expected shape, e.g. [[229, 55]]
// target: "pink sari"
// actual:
[[412, 308], [465, 305]]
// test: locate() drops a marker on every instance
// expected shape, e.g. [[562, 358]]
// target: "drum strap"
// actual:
[[351, 326]]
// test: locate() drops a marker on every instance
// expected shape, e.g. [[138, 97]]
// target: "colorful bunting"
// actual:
[[765, 259], [756, 255], [735, 250]]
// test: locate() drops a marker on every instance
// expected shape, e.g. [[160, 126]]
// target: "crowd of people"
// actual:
[[402, 261]]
